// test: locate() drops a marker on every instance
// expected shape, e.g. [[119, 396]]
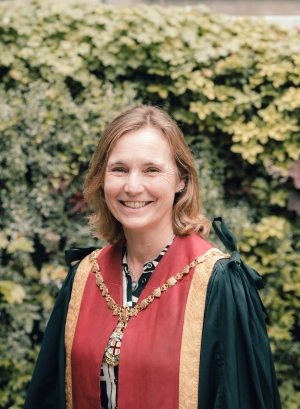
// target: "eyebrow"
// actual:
[[118, 162], [153, 163], [144, 164]]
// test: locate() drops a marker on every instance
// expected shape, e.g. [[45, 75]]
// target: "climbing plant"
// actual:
[[66, 70]]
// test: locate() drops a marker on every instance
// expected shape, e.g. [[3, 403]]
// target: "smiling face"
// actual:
[[141, 180]]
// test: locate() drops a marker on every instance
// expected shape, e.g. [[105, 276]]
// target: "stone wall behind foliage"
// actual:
[[231, 7]]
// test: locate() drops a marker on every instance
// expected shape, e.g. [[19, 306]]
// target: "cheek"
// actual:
[[165, 192], [111, 186], [110, 197]]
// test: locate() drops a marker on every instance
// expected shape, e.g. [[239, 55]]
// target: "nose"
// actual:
[[134, 183]]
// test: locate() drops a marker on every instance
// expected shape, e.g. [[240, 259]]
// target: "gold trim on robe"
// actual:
[[80, 280], [189, 371]]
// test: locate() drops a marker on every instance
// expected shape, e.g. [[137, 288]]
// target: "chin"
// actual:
[[137, 225]]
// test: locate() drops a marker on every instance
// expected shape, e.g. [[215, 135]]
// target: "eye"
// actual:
[[152, 170], [119, 169]]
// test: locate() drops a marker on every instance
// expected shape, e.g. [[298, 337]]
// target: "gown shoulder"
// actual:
[[47, 386]]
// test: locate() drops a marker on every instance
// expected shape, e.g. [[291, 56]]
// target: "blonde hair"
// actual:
[[187, 209]]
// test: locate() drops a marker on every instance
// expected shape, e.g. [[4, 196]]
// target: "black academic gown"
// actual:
[[237, 369]]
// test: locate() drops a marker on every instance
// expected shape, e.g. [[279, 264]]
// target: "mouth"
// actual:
[[135, 205]]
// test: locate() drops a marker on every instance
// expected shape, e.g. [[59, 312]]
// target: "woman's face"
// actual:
[[141, 180]]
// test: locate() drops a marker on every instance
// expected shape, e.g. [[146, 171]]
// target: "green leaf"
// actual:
[[13, 293]]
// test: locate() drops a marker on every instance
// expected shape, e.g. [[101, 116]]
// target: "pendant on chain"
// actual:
[[113, 347]]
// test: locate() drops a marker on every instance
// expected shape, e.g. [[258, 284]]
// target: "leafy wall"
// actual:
[[67, 69]]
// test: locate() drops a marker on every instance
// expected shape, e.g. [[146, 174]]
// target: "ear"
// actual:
[[180, 186]]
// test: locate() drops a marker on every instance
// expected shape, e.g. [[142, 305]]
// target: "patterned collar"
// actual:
[[149, 266]]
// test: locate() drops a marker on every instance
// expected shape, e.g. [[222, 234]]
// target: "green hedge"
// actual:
[[67, 69]]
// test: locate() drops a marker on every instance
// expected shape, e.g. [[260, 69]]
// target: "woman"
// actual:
[[158, 319]]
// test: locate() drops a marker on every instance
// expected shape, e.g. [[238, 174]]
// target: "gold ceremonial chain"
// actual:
[[112, 352]]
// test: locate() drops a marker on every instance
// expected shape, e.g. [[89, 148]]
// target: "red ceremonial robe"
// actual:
[[215, 310], [150, 353]]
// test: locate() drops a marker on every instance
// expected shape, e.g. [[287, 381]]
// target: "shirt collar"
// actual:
[[149, 266]]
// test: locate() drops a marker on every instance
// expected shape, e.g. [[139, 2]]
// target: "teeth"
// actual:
[[135, 205]]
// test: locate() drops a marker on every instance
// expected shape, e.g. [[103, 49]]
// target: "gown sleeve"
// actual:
[[236, 363], [47, 386]]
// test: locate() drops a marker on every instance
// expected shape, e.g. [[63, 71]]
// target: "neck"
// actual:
[[142, 247]]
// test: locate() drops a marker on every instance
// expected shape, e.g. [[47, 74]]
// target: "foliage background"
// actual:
[[66, 70]]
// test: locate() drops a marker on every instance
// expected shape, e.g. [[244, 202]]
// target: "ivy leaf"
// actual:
[[20, 243], [12, 292]]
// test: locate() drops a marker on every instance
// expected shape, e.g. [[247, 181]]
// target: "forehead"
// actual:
[[142, 143]]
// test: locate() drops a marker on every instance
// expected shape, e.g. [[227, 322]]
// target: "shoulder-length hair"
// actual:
[[187, 208]]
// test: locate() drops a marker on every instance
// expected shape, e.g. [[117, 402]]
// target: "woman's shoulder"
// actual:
[[234, 286], [233, 270]]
